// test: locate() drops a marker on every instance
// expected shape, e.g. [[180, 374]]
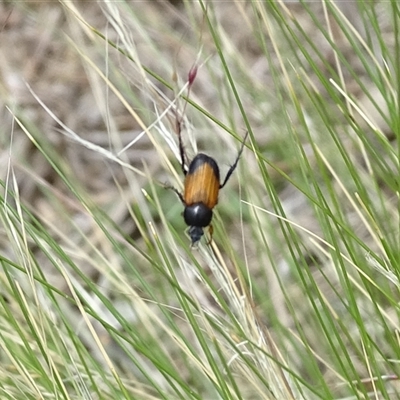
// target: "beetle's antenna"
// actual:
[[234, 165], [179, 115], [181, 148]]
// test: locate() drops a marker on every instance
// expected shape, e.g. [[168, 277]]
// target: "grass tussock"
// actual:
[[102, 296]]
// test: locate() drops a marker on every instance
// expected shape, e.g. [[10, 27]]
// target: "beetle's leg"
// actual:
[[176, 191], [210, 232], [234, 165]]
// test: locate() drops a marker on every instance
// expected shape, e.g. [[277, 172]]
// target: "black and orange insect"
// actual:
[[201, 189]]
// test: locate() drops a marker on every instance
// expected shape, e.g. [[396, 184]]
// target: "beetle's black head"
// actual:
[[197, 216], [195, 233]]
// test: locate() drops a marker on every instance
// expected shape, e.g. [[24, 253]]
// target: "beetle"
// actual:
[[201, 188]]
